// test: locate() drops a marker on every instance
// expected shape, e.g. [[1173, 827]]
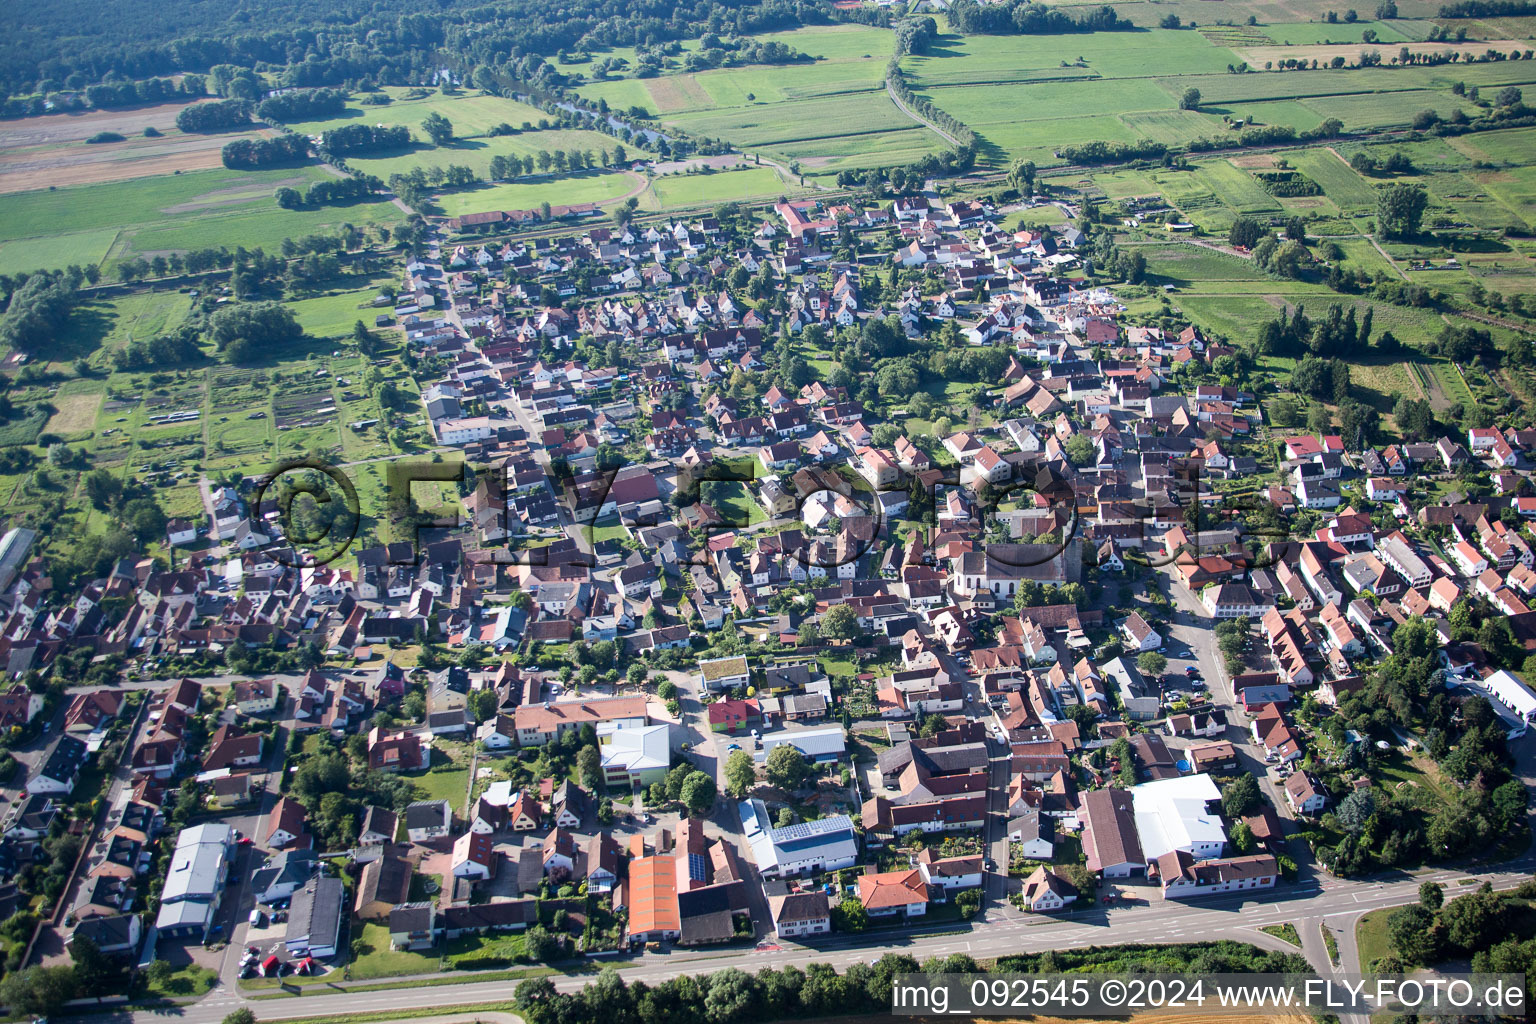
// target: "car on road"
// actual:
[[243, 841], [989, 864], [734, 746], [1191, 670]]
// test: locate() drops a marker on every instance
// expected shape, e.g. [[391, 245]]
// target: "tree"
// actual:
[[1080, 450], [786, 767], [968, 902], [1245, 232], [698, 793], [1190, 100], [740, 773], [850, 916], [840, 623], [589, 767], [483, 704], [1410, 929], [1355, 810], [1431, 896], [38, 991], [438, 128], [1151, 663], [809, 635], [1400, 209], [732, 992], [1243, 839], [1241, 797], [540, 944]]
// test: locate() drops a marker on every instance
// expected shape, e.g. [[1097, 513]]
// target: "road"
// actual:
[[919, 118], [1335, 902]]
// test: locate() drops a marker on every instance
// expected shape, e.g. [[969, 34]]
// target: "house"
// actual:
[[393, 752], [113, 935], [474, 856], [723, 673], [380, 825], [232, 747], [1305, 793], [283, 874], [384, 884], [314, 918], [285, 824], [824, 844], [412, 926], [799, 914], [892, 893], [1045, 891], [254, 696], [949, 873], [426, 820], [635, 756], [57, 773], [1139, 635], [1182, 876], [537, 724], [731, 715]]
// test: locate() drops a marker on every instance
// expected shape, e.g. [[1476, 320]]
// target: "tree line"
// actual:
[[303, 105], [364, 138], [215, 116], [1024, 17], [249, 154]]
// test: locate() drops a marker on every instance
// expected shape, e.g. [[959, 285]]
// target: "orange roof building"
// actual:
[[651, 891]]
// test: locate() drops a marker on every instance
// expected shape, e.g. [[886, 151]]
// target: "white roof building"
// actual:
[[633, 750], [1176, 814], [825, 844]]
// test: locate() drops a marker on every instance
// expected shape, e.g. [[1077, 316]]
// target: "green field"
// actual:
[[828, 115], [195, 210], [472, 113], [48, 252], [710, 189], [588, 187]]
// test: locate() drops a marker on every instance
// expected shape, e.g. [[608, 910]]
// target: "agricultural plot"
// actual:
[[678, 190], [472, 113], [51, 151], [170, 213], [1383, 110], [78, 248], [589, 187], [1182, 263], [476, 154], [1339, 181], [1316, 32]]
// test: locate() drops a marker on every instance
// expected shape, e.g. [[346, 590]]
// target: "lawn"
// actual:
[[609, 531], [449, 784], [382, 962], [1372, 938], [589, 187], [333, 315], [735, 504], [188, 980]]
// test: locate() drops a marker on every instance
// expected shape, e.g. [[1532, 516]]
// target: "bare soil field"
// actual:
[[39, 152]]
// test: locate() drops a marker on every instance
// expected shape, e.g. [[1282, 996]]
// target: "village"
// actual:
[[709, 659]]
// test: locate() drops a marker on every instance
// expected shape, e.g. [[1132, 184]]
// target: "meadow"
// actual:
[[678, 190], [113, 221], [587, 187], [829, 115]]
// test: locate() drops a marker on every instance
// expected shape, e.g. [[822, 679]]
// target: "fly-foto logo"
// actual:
[[314, 513]]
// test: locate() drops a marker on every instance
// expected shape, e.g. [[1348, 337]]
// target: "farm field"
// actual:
[[51, 151], [477, 153], [706, 189], [828, 115], [588, 187], [472, 113], [196, 210]]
